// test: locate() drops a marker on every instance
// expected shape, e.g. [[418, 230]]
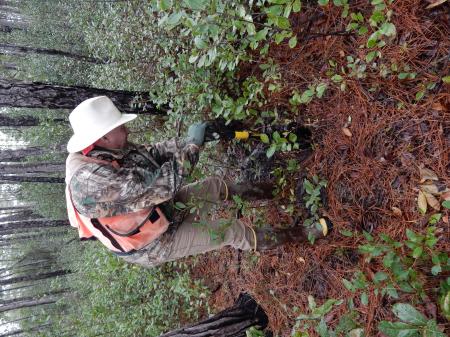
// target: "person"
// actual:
[[134, 199]]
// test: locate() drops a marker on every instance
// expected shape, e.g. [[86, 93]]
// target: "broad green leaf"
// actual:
[[320, 89], [436, 269], [380, 276], [417, 252], [364, 299], [432, 330], [370, 56], [296, 6], [398, 329], [322, 329], [446, 204], [180, 205], [388, 29], [402, 76], [337, 78], [293, 41], [283, 22], [270, 152], [196, 5], [407, 313], [446, 79], [174, 18], [348, 285], [164, 4], [200, 43], [420, 94], [323, 2], [347, 233], [264, 138]]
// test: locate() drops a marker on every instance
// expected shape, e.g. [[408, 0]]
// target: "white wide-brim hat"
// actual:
[[92, 119]]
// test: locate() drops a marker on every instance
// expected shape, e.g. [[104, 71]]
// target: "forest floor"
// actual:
[[369, 143]]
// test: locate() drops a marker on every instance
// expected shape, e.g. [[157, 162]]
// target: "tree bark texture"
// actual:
[[30, 179], [26, 152], [34, 277], [32, 224], [21, 94], [41, 167], [232, 322], [54, 52]]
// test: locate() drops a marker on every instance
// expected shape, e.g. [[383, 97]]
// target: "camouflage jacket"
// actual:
[[138, 177]]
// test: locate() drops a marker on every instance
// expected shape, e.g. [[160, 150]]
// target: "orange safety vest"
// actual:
[[121, 233]]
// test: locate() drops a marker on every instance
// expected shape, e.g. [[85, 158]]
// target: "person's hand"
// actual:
[[196, 133]]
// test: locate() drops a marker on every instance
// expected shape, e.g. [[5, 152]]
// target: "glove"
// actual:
[[196, 133]]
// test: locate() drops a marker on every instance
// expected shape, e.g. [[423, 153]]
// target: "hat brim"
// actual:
[[77, 143]]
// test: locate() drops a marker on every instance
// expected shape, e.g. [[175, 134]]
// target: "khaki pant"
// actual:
[[197, 233]]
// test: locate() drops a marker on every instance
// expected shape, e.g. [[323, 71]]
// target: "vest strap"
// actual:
[[153, 216], [107, 234]]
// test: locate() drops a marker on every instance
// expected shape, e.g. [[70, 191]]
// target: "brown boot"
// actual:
[[251, 191], [267, 239]]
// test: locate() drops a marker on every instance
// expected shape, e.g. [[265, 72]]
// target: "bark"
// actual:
[[232, 322], [34, 277], [26, 152], [20, 331], [54, 52], [41, 167], [26, 214], [30, 179], [6, 120], [8, 65], [15, 93], [32, 224], [30, 301]]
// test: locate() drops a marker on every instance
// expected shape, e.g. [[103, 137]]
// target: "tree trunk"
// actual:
[[6, 120], [26, 302], [232, 322], [21, 94], [30, 179], [41, 167], [35, 277], [33, 224], [54, 52], [24, 153]]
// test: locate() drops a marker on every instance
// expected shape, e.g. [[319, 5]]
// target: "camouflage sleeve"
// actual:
[[185, 154], [103, 191], [167, 150]]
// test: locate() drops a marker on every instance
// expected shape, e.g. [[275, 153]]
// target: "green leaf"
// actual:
[[407, 313], [397, 329], [320, 89], [307, 96], [264, 138], [380, 276], [370, 56], [446, 79], [164, 4], [196, 5], [293, 41], [292, 137], [348, 285], [337, 78], [322, 329], [270, 152], [420, 94], [364, 299], [417, 252], [434, 219], [200, 43], [372, 41], [432, 330], [402, 76], [180, 205], [388, 29], [446, 204], [436, 269], [323, 2], [296, 6], [345, 232], [282, 22], [174, 18]]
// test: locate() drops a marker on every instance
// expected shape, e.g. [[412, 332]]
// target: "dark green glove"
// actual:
[[196, 133]]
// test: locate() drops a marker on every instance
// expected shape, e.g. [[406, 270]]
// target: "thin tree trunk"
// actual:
[[40, 167], [15, 93], [53, 52], [31, 179], [34, 277], [41, 223], [232, 322], [24, 153]]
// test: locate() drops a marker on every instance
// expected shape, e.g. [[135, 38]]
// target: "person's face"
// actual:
[[115, 139]]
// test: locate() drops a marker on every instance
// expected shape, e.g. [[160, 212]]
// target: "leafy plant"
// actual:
[[412, 323]]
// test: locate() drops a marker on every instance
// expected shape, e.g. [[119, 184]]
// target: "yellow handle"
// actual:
[[241, 135]]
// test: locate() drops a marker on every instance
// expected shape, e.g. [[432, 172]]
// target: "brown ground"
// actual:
[[368, 173]]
